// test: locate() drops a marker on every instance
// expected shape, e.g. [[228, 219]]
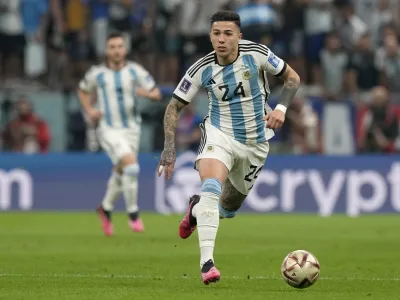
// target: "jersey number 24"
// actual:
[[239, 91]]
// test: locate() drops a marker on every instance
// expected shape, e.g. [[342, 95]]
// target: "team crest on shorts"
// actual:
[[210, 148], [246, 75]]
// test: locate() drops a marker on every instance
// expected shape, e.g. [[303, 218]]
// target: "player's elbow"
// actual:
[[81, 93], [295, 77], [156, 94]]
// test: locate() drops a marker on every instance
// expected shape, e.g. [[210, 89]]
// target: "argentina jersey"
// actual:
[[237, 92], [115, 90]]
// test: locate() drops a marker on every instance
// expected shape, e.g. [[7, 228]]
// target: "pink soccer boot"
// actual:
[[137, 225], [209, 273], [107, 226], [189, 223]]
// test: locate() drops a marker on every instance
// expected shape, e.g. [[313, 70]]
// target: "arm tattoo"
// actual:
[[171, 118], [292, 83]]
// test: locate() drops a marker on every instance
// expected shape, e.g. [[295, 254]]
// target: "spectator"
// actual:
[[333, 65], [389, 64], [120, 12], [188, 131], [380, 55], [99, 25], [318, 23], [301, 127], [12, 39], [349, 26], [290, 36], [380, 127], [194, 28], [34, 15], [378, 13], [76, 39], [257, 20], [382, 15], [27, 132], [362, 73]]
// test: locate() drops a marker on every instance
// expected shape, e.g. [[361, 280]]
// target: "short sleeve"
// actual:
[[187, 88], [144, 78], [274, 65], [88, 83]]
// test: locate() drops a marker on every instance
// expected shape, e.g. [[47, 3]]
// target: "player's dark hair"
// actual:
[[114, 35], [226, 16]]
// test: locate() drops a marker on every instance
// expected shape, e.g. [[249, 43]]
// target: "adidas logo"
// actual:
[[211, 82]]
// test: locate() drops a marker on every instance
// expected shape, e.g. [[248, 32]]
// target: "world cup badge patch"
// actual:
[[246, 75], [273, 60], [185, 86]]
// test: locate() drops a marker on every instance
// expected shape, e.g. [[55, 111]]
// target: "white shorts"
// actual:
[[244, 161], [119, 142]]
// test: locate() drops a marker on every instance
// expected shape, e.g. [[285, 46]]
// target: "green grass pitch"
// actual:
[[65, 256]]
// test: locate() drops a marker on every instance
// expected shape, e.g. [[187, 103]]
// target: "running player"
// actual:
[[235, 133], [119, 84]]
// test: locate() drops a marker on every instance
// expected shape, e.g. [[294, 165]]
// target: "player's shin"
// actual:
[[207, 216], [130, 189], [112, 193]]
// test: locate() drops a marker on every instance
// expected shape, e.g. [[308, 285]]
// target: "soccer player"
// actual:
[[118, 84], [235, 133]]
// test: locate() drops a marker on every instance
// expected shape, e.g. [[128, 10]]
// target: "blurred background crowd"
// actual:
[[346, 52]]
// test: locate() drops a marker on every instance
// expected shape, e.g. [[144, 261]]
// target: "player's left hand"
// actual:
[[167, 163], [275, 119], [141, 92]]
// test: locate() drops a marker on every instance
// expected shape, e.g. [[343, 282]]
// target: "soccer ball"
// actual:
[[300, 269]]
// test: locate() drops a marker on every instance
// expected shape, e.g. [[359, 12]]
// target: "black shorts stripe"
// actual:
[[203, 138], [200, 62], [266, 92], [205, 63]]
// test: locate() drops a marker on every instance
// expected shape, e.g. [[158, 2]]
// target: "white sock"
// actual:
[[207, 215], [194, 210], [130, 189], [113, 191]]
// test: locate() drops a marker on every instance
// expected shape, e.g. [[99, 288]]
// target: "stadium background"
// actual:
[[49, 45], [53, 175]]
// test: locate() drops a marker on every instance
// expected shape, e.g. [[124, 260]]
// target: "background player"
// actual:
[[118, 84], [234, 142]]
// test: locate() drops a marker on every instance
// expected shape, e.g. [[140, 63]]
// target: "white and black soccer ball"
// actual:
[[300, 269]]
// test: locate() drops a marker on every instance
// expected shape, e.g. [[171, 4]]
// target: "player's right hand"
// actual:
[[94, 116], [167, 163]]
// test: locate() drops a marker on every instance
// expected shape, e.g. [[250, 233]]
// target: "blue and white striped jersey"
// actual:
[[237, 92], [116, 96]]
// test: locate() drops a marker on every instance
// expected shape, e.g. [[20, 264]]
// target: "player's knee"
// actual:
[[132, 170], [225, 213], [127, 159], [211, 185]]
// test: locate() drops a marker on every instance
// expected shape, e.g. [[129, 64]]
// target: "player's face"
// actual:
[[116, 50], [225, 37]]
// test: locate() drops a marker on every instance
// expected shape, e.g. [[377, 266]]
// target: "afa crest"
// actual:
[[210, 148], [246, 75]]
